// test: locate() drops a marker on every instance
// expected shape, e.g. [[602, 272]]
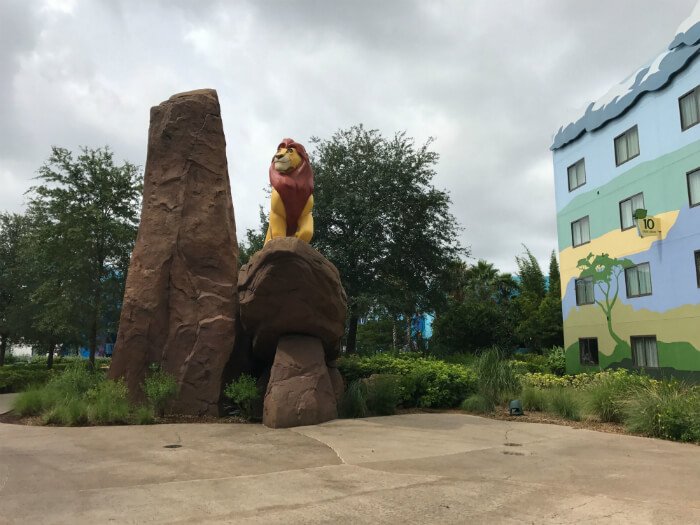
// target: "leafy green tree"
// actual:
[[12, 228], [383, 224], [605, 272], [84, 217], [479, 316]]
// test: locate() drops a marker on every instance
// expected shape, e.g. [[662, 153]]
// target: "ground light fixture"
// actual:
[[516, 408]]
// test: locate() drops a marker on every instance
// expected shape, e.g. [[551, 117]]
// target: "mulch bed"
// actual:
[[13, 419]]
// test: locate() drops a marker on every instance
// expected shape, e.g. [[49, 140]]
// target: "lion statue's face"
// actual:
[[287, 159]]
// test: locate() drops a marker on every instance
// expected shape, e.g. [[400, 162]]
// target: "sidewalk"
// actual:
[[414, 468], [6, 401]]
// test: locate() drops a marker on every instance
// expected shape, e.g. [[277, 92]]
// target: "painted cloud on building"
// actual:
[[656, 75]]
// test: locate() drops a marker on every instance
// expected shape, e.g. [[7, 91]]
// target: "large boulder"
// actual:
[[300, 391], [180, 302], [290, 288]]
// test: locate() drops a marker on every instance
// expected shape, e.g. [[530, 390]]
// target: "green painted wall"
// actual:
[[662, 180]]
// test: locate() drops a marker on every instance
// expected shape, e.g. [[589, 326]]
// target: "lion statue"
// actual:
[[292, 182]]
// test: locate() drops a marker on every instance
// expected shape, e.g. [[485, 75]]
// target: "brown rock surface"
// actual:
[[290, 288], [300, 391], [338, 383], [180, 302]]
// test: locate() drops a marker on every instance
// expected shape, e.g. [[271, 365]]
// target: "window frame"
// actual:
[[597, 352], [639, 150], [582, 160], [622, 228], [680, 108], [576, 281], [656, 341], [697, 266], [589, 231], [627, 288], [687, 180]]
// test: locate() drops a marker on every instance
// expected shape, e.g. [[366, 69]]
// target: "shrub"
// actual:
[[532, 363], [534, 398], [383, 394], [70, 412], [243, 391], [143, 415], [565, 402], [20, 376], [478, 404], [30, 402], [668, 409], [556, 360], [159, 387], [108, 403], [609, 392], [496, 379], [353, 404], [425, 382]]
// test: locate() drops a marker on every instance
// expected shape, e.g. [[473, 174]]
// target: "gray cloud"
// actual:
[[491, 80]]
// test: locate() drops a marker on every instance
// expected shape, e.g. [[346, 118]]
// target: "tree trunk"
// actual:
[[49, 359], [93, 342], [394, 334], [3, 348], [352, 331]]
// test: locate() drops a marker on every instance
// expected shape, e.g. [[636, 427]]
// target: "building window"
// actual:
[[588, 351], [626, 146], [638, 279], [694, 187], [577, 175], [580, 232], [644, 351], [584, 291], [690, 108], [627, 209], [697, 267]]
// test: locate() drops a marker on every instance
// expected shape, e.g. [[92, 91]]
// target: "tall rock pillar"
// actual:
[[180, 303]]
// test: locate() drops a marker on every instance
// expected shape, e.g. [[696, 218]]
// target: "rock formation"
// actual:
[[290, 288], [292, 309], [300, 391], [180, 302]]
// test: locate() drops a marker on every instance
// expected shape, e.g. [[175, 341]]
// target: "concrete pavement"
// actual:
[[6, 401], [418, 468]]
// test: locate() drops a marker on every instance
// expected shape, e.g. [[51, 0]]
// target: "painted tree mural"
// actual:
[[605, 273]]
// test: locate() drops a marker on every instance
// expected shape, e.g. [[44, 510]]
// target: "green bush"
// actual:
[[534, 399], [353, 404], [108, 403], [478, 404], [609, 392], [532, 363], [159, 387], [30, 402], [142, 415], [70, 412], [383, 394], [243, 391], [20, 376], [78, 396], [425, 382], [497, 382], [667, 409], [556, 360], [565, 402]]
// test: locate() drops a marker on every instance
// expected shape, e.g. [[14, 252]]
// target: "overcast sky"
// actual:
[[492, 81]]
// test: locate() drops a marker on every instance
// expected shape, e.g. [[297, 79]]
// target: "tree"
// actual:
[[12, 228], [605, 273], [255, 240], [381, 222], [479, 316], [84, 217]]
